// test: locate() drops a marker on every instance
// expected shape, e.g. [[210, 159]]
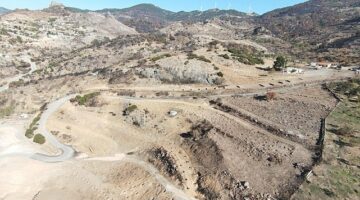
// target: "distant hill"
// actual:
[[4, 10], [142, 17], [205, 15], [311, 17], [149, 18], [323, 26], [316, 29]]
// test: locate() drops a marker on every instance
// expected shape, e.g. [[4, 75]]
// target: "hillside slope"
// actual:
[[3, 10], [329, 28], [150, 18]]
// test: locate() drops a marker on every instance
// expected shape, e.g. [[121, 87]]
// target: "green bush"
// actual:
[[245, 57], [154, 59], [201, 58], [29, 133], [40, 139], [349, 88], [96, 43], [3, 31], [220, 74], [19, 39], [130, 109], [82, 100], [280, 63], [6, 111], [51, 20], [225, 56]]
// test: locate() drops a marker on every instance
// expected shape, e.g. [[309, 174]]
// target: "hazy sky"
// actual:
[[258, 6]]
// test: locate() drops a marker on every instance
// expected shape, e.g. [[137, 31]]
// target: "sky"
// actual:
[[258, 6]]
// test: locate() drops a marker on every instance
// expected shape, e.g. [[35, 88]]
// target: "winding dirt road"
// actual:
[[67, 152]]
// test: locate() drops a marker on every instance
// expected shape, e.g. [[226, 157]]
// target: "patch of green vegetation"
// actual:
[[245, 57], [347, 114], [130, 109], [38, 71], [349, 89], [19, 39], [343, 180], [3, 31], [191, 56], [226, 56], [29, 133], [51, 20], [82, 100], [280, 63], [220, 74], [40, 139], [154, 59], [96, 43], [7, 111]]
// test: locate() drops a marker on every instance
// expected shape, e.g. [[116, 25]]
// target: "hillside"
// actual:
[[327, 28], [142, 17], [3, 10], [314, 30], [150, 18]]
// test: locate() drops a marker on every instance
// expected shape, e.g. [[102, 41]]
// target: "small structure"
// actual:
[[314, 65], [320, 65]]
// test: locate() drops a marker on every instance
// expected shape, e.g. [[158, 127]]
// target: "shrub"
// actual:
[[96, 43], [154, 59], [7, 111], [246, 57], [280, 63], [3, 31], [29, 133], [83, 100], [225, 56], [270, 96], [40, 139], [51, 20], [162, 93], [201, 58], [220, 74], [129, 109]]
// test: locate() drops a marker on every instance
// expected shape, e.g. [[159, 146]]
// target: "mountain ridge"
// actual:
[[4, 10]]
